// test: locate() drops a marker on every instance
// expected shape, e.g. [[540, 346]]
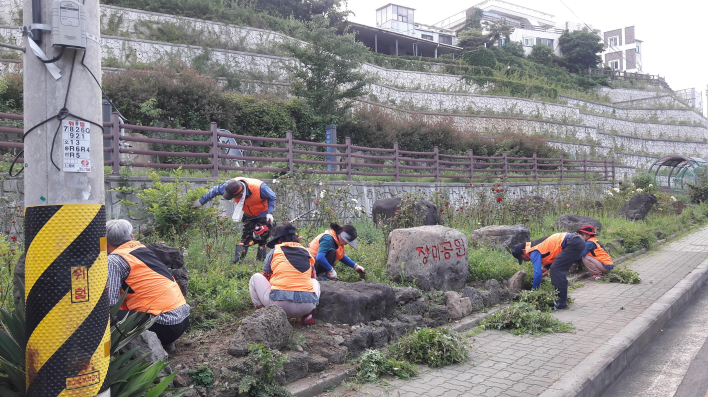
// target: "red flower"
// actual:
[[447, 203], [499, 199], [499, 185], [442, 210], [497, 190], [13, 238]]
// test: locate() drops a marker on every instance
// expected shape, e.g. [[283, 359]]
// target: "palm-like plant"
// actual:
[[129, 376]]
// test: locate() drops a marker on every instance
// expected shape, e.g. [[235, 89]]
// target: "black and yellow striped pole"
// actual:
[[68, 328], [66, 270]]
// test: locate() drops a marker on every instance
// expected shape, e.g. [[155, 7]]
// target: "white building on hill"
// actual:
[[623, 51]]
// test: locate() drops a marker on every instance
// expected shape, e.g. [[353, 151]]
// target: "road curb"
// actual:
[[593, 375]]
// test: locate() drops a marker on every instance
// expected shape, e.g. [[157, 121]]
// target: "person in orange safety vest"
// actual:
[[594, 257], [557, 253], [258, 206], [151, 288]]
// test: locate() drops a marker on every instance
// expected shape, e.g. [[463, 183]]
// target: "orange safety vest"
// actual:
[[292, 268], [549, 247], [600, 254], [315, 245], [152, 287], [254, 204]]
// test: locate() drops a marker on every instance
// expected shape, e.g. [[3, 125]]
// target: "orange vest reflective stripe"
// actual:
[[549, 248], [315, 245], [254, 204], [152, 287], [292, 268], [599, 253]]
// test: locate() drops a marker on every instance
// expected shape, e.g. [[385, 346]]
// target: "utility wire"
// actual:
[[589, 28]]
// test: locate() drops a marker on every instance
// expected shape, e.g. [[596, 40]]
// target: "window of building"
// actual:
[[615, 65], [402, 14], [528, 41], [427, 37], [445, 39], [613, 41], [638, 49], [502, 42], [548, 42]]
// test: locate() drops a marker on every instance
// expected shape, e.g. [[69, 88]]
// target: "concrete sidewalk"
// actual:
[[502, 364]]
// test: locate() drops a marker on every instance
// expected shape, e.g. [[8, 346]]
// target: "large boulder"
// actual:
[[148, 343], [637, 208], [354, 303], [174, 260], [492, 296], [500, 237], [431, 256], [268, 326], [572, 223], [385, 209]]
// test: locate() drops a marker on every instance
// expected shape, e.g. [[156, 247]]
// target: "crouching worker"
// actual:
[[555, 254], [288, 278], [594, 257], [151, 287], [328, 248]]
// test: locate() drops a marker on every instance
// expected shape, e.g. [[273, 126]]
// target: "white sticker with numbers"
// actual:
[[76, 142]]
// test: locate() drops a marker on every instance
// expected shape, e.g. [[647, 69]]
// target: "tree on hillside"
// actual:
[[302, 10], [470, 39], [497, 29], [326, 73], [543, 54], [580, 49]]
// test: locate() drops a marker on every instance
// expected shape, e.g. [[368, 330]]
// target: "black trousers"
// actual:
[[331, 256], [574, 246], [249, 225], [165, 333]]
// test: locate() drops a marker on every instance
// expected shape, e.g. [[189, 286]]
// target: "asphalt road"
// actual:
[[676, 362]]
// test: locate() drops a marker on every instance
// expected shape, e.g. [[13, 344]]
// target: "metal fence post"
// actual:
[[585, 167], [561, 166], [115, 144], [214, 150], [613, 170], [395, 161], [348, 142], [506, 169], [605, 165], [289, 156], [535, 167], [471, 166], [437, 164]]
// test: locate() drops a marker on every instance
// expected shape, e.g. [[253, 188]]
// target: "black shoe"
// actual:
[[169, 348], [240, 253], [561, 307], [261, 254]]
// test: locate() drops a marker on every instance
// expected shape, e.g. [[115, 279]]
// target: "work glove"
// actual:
[[545, 271], [270, 218], [360, 269], [196, 204], [332, 274]]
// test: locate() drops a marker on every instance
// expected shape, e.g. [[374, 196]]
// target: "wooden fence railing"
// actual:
[[288, 155], [641, 77]]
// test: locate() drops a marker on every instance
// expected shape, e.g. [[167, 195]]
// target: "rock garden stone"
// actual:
[[492, 296], [148, 343], [476, 299], [437, 316], [174, 260], [385, 209], [500, 237], [572, 223], [405, 294], [296, 366], [458, 307], [366, 337], [268, 326], [638, 207], [397, 329], [316, 363], [414, 307], [516, 282], [334, 354], [354, 303], [431, 256]]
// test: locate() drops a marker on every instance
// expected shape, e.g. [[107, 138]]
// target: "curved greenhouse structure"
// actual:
[[674, 172]]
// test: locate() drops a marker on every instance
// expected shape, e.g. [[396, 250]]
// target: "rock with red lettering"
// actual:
[[430, 256]]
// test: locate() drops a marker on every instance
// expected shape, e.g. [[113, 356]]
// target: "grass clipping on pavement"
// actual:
[[531, 315], [622, 275]]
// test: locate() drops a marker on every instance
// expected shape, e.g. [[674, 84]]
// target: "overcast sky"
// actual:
[[674, 33]]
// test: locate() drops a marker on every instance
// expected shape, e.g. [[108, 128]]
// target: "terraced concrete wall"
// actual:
[[9, 11], [656, 147], [645, 129], [669, 116], [627, 94], [659, 102]]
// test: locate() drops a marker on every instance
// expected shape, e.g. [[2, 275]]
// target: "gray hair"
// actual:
[[118, 232]]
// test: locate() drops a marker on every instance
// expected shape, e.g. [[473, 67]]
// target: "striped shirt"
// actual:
[[118, 271]]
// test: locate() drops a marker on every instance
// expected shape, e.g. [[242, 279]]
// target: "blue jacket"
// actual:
[[538, 265], [266, 193]]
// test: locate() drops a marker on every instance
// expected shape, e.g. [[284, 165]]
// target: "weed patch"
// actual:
[[374, 363], [621, 275], [431, 347], [202, 376], [258, 374], [523, 318]]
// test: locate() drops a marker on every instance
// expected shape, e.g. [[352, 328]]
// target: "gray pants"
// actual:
[[259, 287], [594, 265]]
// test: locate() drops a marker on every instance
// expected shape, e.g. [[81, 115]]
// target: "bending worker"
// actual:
[[558, 252], [328, 248], [288, 277], [255, 210], [151, 287], [599, 262]]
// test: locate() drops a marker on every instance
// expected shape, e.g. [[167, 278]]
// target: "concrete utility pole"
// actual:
[[68, 332]]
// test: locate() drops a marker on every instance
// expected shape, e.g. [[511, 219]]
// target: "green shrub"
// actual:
[[374, 363], [638, 240], [522, 318], [480, 57], [486, 264], [643, 181], [543, 298], [258, 374], [431, 347], [202, 376], [698, 194]]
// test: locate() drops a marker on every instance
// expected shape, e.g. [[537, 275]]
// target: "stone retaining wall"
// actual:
[[628, 94], [658, 147], [9, 11], [660, 101], [668, 116], [645, 129]]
